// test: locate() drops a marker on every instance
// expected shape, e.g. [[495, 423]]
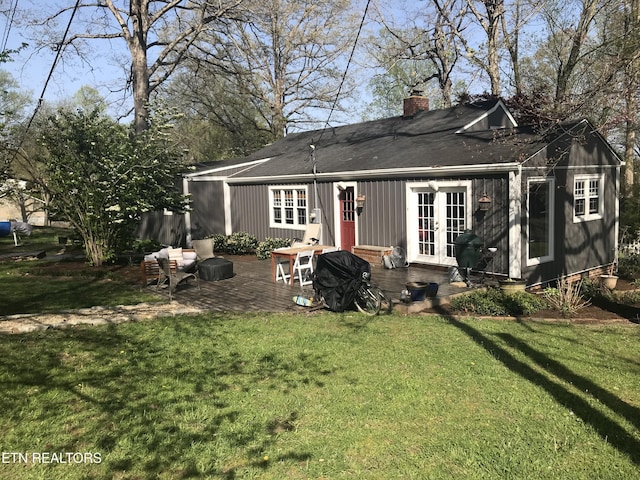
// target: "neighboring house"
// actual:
[[17, 204], [547, 201]]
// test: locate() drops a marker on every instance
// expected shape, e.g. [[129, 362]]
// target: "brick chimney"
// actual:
[[415, 103]]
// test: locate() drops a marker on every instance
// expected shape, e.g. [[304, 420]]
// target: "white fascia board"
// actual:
[[383, 173], [213, 171], [499, 104]]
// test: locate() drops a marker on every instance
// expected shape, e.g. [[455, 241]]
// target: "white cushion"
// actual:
[[176, 254], [189, 256]]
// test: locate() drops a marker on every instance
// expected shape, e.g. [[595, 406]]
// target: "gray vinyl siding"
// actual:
[[250, 210], [383, 219], [492, 226], [578, 246], [207, 208], [166, 229]]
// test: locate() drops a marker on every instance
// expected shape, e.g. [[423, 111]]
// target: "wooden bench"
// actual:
[[150, 270], [371, 253]]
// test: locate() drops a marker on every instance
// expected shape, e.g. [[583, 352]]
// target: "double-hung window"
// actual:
[[587, 197], [288, 206]]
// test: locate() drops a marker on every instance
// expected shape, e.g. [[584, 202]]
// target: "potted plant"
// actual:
[[511, 285], [609, 281]]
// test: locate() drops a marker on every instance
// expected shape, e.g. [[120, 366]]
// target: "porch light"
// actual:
[[484, 202], [360, 200]]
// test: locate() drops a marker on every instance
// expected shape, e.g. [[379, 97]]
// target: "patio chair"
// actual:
[[169, 271], [303, 267], [311, 236], [330, 249]]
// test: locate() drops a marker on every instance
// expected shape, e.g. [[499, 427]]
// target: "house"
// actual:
[[17, 204], [546, 200]]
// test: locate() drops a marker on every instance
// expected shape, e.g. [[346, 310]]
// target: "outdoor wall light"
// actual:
[[484, 202], [360, 200]]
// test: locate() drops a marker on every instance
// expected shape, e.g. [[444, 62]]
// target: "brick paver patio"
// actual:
[[252, 290]]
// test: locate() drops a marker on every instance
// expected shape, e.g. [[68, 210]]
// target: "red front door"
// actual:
[[347, 219]]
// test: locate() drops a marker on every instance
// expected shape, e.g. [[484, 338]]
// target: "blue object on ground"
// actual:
[[5, 229]]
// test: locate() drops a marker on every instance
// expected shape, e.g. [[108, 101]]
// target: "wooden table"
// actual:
[[290, 254]]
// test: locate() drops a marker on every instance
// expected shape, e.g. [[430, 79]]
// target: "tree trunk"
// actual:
[[139, 67], [630, 95], [495, 11], [566, 68]]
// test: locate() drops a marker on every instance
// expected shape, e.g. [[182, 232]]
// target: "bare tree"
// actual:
[[577, 36], [428, 38], [288, 57], [157, 34], [516, 17], [630, 57], [490, 19]]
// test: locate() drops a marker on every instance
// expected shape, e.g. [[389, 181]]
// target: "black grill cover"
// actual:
[[337, 278]]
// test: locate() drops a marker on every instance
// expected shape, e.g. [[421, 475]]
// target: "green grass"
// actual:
[[41, 239], [30, 287], [325, 396]]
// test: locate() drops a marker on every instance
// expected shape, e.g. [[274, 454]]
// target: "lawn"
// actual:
[[51, 285], [322, 396]]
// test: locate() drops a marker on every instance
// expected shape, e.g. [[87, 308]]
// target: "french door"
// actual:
[[438, 213]]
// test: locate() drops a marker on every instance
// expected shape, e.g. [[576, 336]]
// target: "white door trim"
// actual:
[[337, 214], [412, 189]]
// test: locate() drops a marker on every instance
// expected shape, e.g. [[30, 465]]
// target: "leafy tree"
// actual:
[[217, 122], [102, 177], [12, 106]]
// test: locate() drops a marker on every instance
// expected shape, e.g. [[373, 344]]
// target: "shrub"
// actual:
[[566, 298], [219, 242], [629, 266], [493, 302], [239, 243], [595, 289], [144, 246], [269, 244]]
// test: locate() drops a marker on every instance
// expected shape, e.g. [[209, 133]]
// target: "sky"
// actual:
[[31, 68]]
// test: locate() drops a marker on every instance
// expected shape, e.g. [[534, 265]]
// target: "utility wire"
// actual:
[[46, 83], [7, 28], [344, 75], [318, 201]]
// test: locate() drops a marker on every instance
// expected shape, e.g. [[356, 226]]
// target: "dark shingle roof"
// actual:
[[428, 139]]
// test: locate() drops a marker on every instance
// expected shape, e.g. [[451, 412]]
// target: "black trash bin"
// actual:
[[468, 246]]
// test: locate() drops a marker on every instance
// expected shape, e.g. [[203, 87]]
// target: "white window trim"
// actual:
[[551, 239], [295, 225], [589, 216]]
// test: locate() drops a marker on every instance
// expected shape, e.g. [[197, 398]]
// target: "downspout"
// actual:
[[515, 223], [187, 213]]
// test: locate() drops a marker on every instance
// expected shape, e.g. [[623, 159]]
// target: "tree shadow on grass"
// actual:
[[609, 430], [145, 404]]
